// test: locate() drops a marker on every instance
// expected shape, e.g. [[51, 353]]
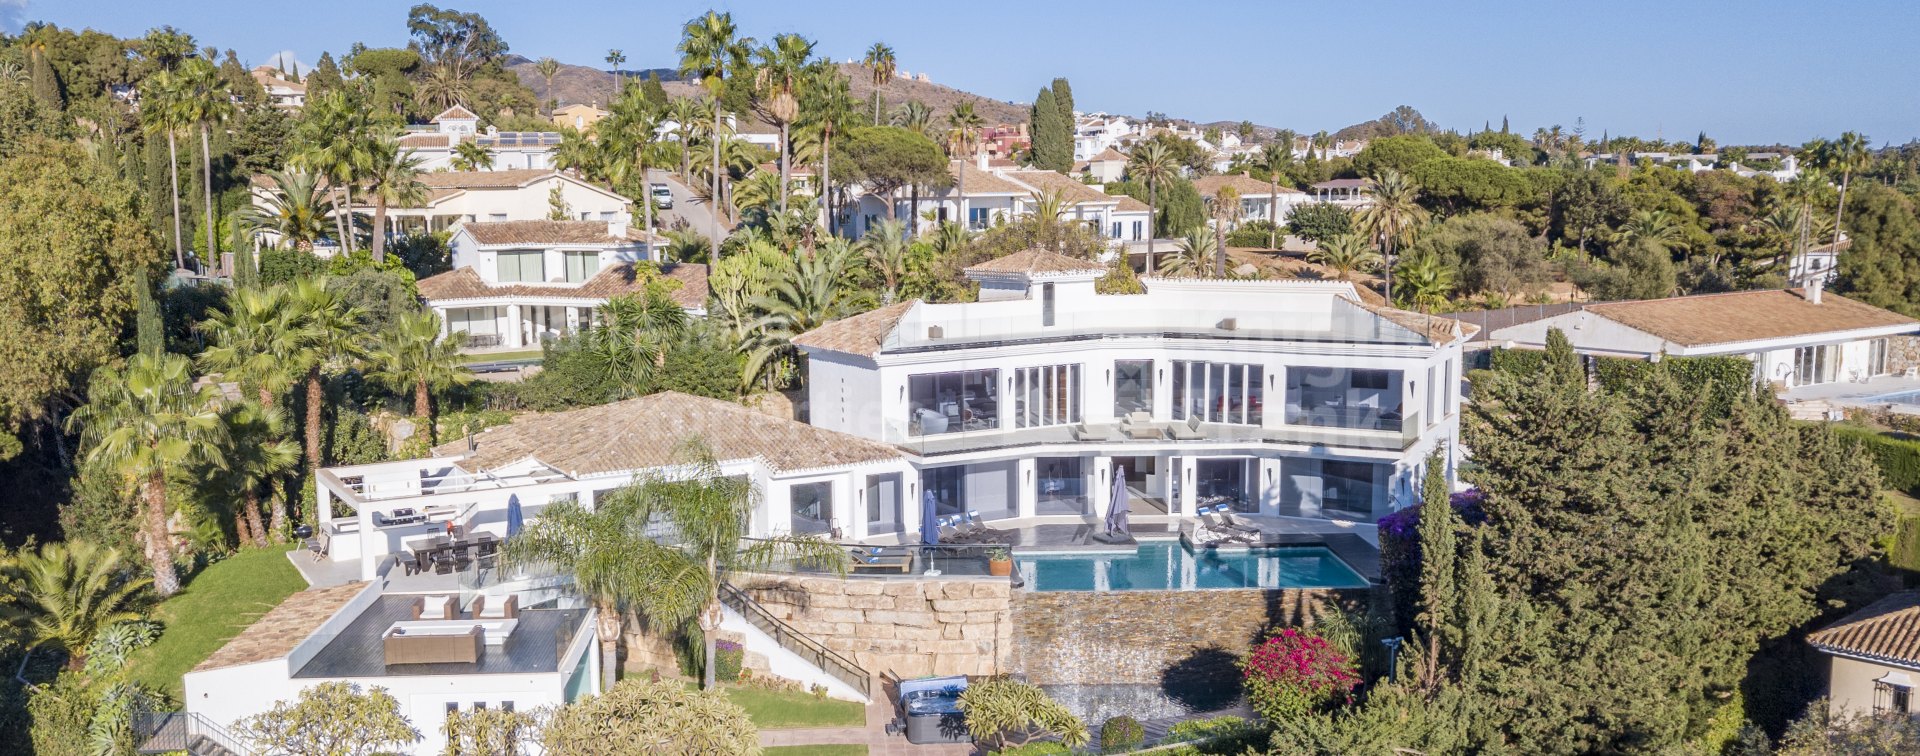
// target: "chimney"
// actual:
[[980, 160], [1814, 285], [617, 229]]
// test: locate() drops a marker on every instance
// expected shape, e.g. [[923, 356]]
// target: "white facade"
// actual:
[[999, 195]]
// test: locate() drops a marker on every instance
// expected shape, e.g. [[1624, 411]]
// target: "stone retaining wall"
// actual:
[[904, 628], [1144, 637]]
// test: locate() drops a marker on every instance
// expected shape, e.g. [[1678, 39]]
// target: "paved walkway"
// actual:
[[874, 736]]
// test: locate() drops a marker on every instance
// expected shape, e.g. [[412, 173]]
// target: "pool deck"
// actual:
[[1856, 394]]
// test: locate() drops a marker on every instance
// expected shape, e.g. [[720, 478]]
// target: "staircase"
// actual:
[[1812, 409], [173, 732], [792, 641]]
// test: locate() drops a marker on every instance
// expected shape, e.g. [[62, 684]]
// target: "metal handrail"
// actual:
[[170, 731], [794, 641]]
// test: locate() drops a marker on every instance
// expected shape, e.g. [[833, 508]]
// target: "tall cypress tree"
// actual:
[[1063, 100], [46, 82], [149, 329], [1050, 133]]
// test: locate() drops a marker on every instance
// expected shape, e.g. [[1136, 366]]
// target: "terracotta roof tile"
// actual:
[[1437, 329], [982, 182], [1037, 262], [861, 334], [1705, 319], [465, 283], [1886, 630], [647, 432], [1131, 205], [455, 113], [1069, 188], [548, 232], [281, 629], [1248, 186], [1108, 154], [420, 141], [484, 179]]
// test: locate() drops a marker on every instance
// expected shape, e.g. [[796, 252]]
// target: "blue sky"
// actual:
[[1753, 72]]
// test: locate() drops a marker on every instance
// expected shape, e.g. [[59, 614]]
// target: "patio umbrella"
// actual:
[[1117, 513], [515, 518], [929, 526]]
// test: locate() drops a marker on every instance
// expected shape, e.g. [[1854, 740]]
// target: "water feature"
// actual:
[[1171, 566]]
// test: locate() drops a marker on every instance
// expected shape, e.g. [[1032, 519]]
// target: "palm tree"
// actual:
[[329, 330], [828, 106], [1392, 217], [392, 179], [1846, 155], [258, 455], [1657, 227], [627, 140], [69, 594], [880, 61], [1190, 255], [294, 207], [470, 155], [806, 297], [632, 340], [914, 116], [253, 340], [548, 68], [614, 59], [145, 422], [334, 136], [1226, 212], [577, 152], [411, 356], [163, 111], [686, 113], [710, 50], [1050, 204], [885, 246], [207, 101], [1426, 280], [1153, 164], [1345, 255], [1274, 159], [963, 142], [776, 83], [675, 580]]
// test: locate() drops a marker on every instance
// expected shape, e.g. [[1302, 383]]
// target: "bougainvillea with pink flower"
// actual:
[[1293, 673]]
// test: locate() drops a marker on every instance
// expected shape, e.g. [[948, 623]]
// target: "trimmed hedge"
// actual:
[[1726, 377], [1897, 457]]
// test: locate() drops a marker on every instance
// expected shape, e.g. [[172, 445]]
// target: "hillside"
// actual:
[[592, 85]]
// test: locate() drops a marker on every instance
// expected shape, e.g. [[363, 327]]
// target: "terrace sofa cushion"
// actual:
[[414, 647], [433, 608], [508, 608]]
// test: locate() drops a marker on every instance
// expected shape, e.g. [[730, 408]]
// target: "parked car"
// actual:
[[662, 196]]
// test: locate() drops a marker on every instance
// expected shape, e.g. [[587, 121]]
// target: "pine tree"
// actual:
[[653, 91], [149, 329], [325, 77]]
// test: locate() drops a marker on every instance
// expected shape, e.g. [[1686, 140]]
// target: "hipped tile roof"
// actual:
[[1247, 186], [1886, 630], [1705, 319], [464, 283], [1037, 262], [648, 432], [861, 334]]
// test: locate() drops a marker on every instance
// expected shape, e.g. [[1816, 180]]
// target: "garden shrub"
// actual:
[[1196, 729], [1007, 711], [1043, 748], [278, 266], [1898, 457], [728, 656], [1122, 732], [1293, 673]]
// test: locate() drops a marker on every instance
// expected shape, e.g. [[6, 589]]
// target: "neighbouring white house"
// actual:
[[510, 150], [1872, 658], [1788, 165], [1352, 193], [998, 194], [1793, 337], [518, 283], [505, 647], [455, 197], [1821, 263], [288, 95], [1257, 198], [1098, 132], [1033, 400], [1106, 167]]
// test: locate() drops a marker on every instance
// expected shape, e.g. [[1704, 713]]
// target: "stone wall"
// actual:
[[1902, 352], [904, 628], [1144, 637]]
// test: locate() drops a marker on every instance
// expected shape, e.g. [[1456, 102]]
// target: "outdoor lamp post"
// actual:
[[1393, 657]]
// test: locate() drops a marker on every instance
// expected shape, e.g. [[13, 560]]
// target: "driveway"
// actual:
[[694, 213]]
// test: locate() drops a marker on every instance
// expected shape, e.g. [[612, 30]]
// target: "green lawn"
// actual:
[[220, 602], [530, 354], [774, 711], [816, 750]]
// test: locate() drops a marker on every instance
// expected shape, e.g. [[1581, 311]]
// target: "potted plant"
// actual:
[[1000, 561]]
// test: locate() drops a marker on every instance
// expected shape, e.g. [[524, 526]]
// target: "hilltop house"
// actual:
[[287, 95], [510, 149], [515, 284]]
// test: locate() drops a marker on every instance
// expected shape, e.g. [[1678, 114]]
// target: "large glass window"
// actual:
[[1333, 488], [1061, 488], [1132, 387], [581, 266], [1344, 398], [985, 488], [523, 267], [1877, 357], [1218, 392], [953, 402], [812, 507], [1224, 481], [1047, 395], [883, 502], [1813, 364]]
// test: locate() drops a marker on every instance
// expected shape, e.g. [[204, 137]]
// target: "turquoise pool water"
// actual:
[[1170, 566], [1903, 397]]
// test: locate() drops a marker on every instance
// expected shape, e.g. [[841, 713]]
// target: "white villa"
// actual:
[[508, 195], [1256, 196], [287, 95], [510, 149], [515, 284], [1795, 337], [995, 195]]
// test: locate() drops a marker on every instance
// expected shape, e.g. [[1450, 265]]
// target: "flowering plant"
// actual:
[[1293, 673]]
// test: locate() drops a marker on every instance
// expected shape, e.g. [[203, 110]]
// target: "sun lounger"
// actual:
[[1187, 431], [874, 560]]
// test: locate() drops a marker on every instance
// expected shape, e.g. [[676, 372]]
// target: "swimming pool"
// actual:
[[1902, 397], [1170, 566]]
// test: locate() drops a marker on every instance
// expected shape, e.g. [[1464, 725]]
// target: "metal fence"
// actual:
[[840, 667]]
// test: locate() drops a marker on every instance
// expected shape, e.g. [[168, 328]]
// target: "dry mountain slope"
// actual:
[[584, 84]]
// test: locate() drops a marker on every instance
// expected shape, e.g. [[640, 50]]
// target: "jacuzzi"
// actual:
[[931, 709]]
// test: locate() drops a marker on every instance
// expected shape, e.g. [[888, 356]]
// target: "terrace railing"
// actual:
[[178, 731], [840, 667]]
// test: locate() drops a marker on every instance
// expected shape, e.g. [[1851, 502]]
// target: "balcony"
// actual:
[[1394, 436]]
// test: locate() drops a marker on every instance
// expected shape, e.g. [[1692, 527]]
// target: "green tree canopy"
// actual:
[[889, 158], [1400, 153], [1456, 184]]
